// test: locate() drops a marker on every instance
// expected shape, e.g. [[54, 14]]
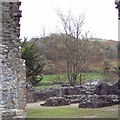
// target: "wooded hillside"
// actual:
[[54, 50]]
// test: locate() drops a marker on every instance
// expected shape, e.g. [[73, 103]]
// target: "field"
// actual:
[[34, 110], [53, 80], [86, 76]]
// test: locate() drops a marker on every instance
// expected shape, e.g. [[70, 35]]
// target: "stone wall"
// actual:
[[12, 75], [34, 95], [76, 93], [89, 95], [98, 101]]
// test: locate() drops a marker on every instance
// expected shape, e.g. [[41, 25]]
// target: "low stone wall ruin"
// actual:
[[99, 89], [91, 96], [56, 101], [98, 101]]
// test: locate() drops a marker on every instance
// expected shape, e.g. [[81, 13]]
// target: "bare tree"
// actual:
[[44, 30], [78, 49]]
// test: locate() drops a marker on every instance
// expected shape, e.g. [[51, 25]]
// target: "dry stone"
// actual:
[[44, 94], [103, 89], [56, 101], [97, 101], [73, 98], [107, 88]]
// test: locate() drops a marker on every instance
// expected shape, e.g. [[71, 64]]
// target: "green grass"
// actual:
[[53, 78], [92, 76], [72, 112], [63, 77], [86, 76], [48, 78]]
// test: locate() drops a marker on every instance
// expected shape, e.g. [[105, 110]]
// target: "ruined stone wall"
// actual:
[[12, 67]]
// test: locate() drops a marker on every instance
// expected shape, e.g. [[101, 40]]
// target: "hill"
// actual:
[[53, 48]]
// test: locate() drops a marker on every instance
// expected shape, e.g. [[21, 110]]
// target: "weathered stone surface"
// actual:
[[34, 95], [73, 90], [73, 98], [107, 88], [103, 89], [20, 113], [30, 96], [118, 7], [97, 101], [44, 94], [116, 88], [12, 67], [56, 101], [73, 93]]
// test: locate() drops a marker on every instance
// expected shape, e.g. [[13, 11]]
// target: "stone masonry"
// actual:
[[12, 67]]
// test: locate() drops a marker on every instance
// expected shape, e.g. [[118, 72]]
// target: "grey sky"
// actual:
[[100, 16]]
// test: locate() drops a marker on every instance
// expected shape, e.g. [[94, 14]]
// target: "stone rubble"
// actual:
[[91, 96], [56, 101], [97, 101]]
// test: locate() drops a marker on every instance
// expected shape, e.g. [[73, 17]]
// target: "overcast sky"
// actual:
[[100, 16]]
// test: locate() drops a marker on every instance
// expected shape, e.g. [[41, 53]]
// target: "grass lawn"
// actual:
[[72, 112], [86, 76], [92, 76], [55, 78]]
